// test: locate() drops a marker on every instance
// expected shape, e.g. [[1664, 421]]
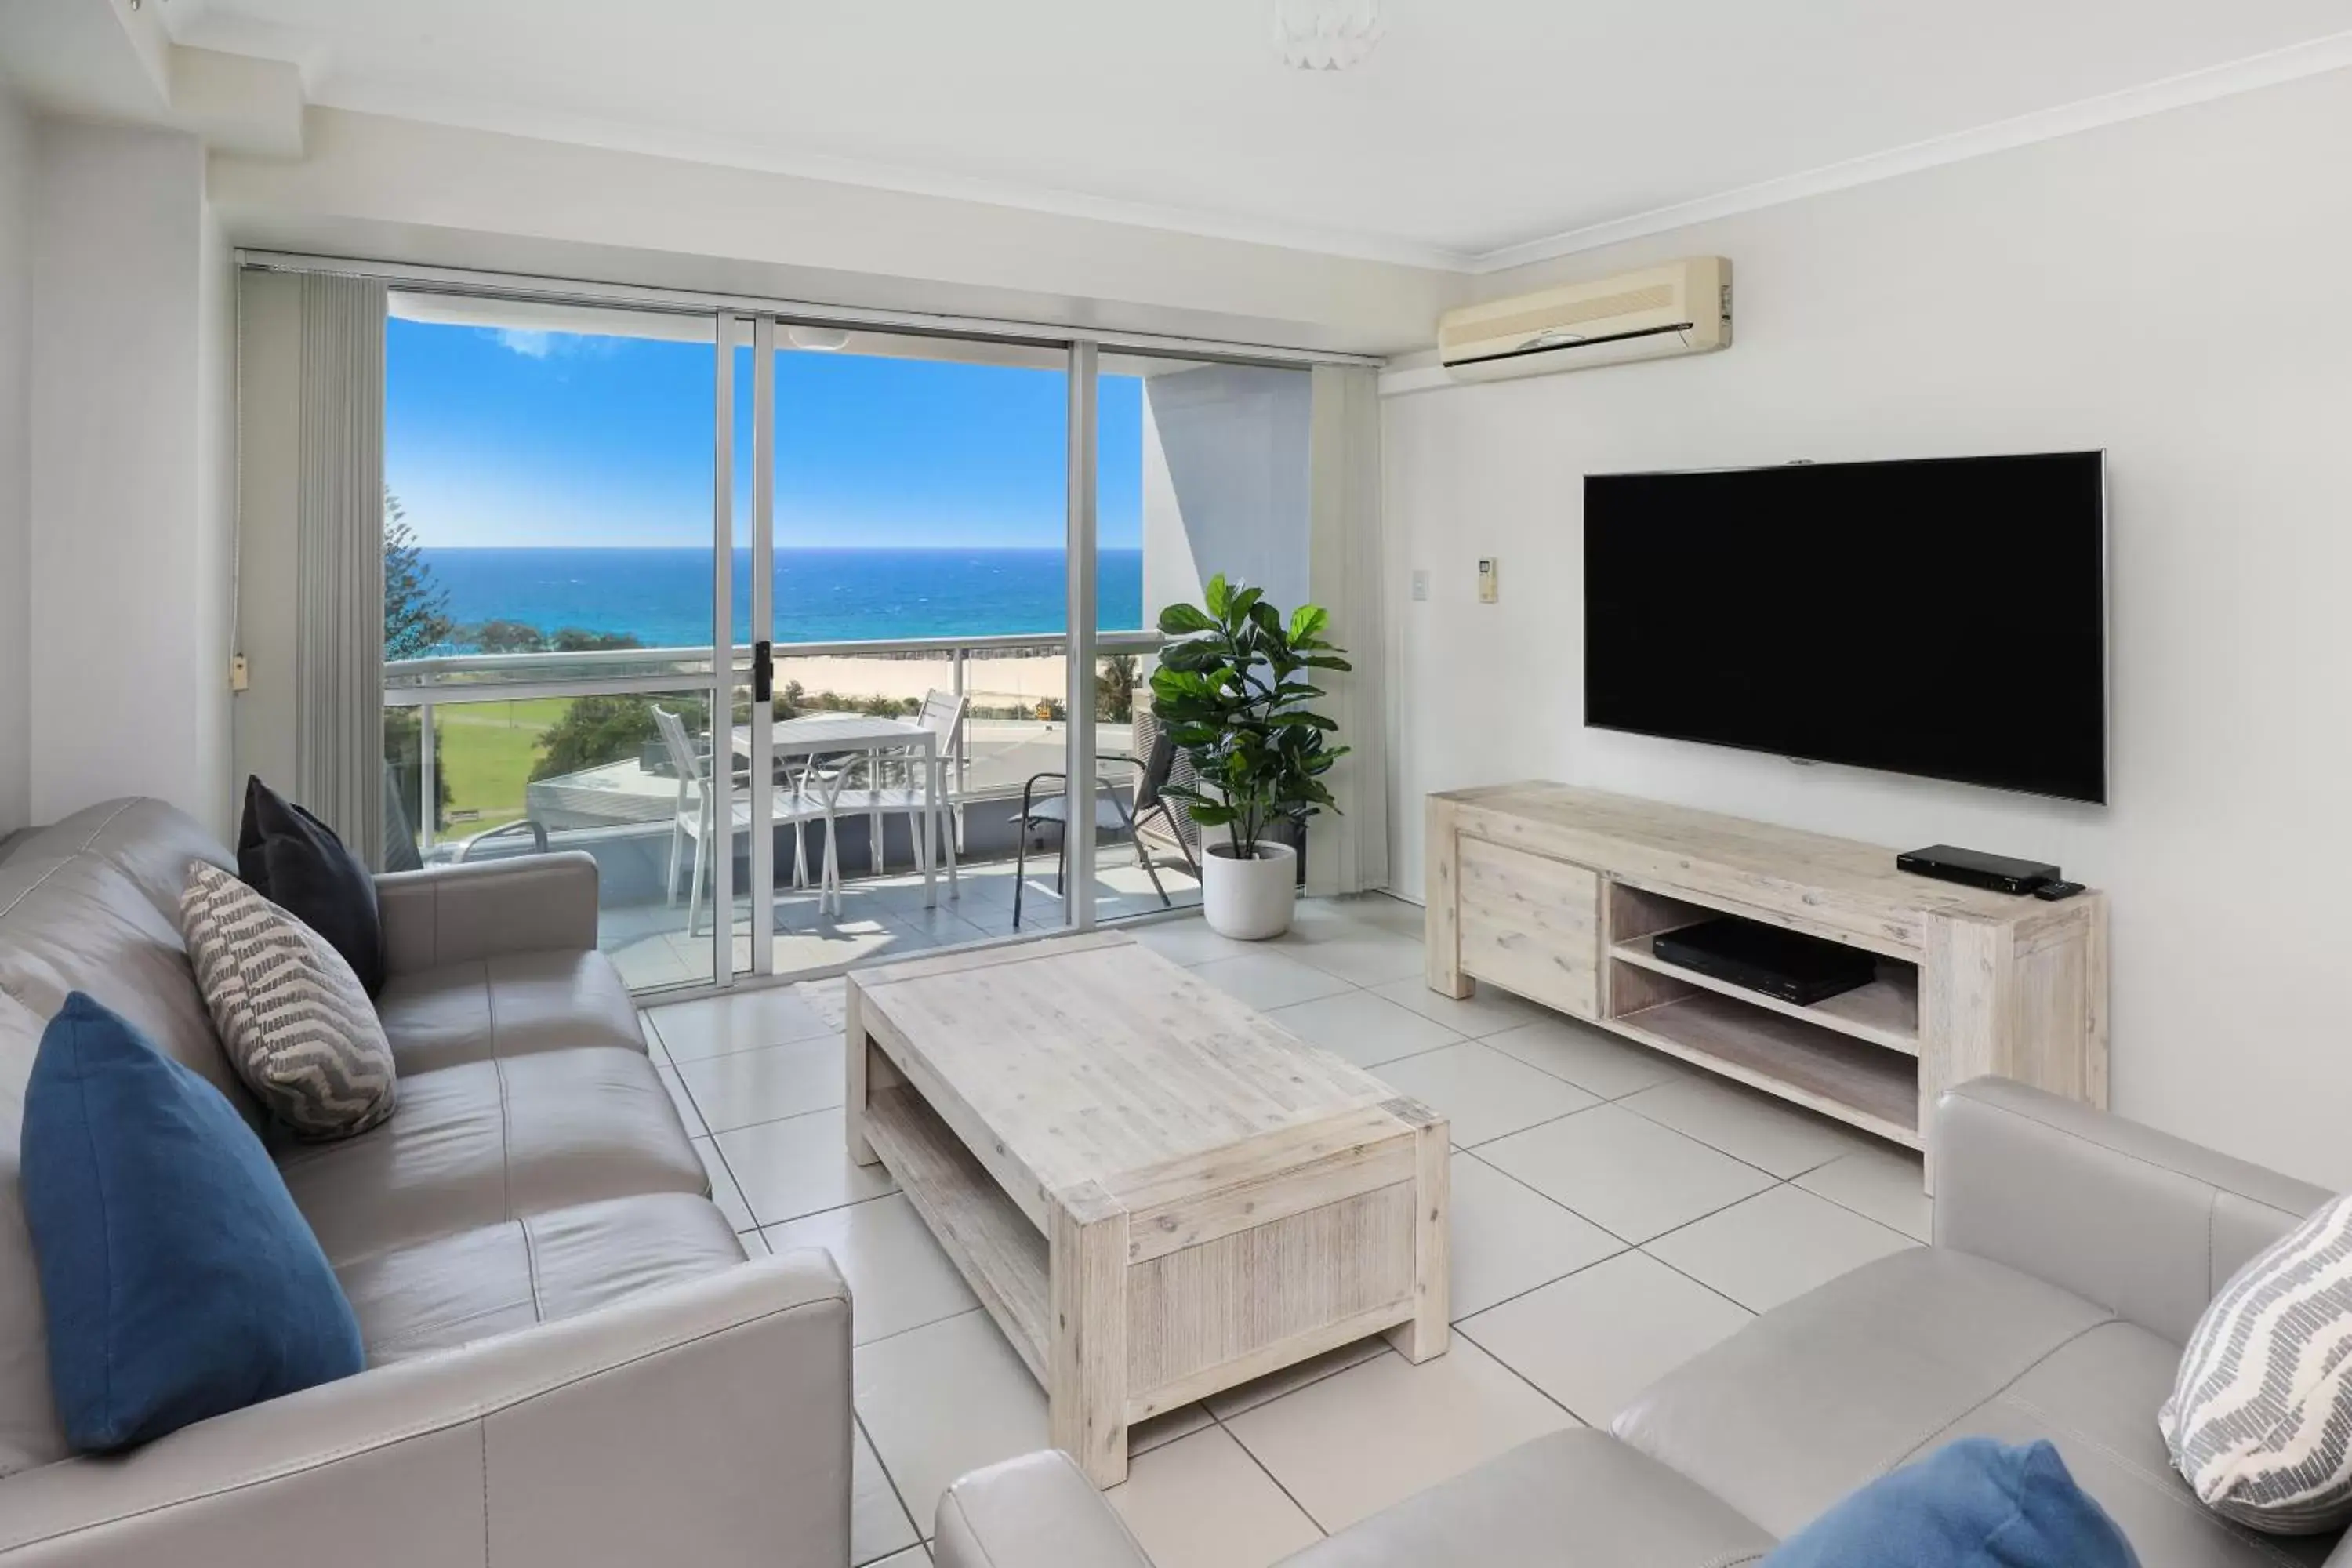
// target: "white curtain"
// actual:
[[339, 561], [1350, 852]]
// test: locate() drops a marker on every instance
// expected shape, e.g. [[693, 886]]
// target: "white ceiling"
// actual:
[[1478, 127]]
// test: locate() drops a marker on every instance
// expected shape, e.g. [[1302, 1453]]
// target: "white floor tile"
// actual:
[[1265, 979], [1598, 1338], [1393, 915], [1776, 1247], [1629, 1175], [1180, 1422], [1202, 1502], [695, 1126], [715, 1026], [1586, 1056], [654, 1048], [1766, 1131], [799, 1166], [1366, 1029], [898, 1278], [1189, 941], [723, 1190], [754, 1244], [1484, 1093], [913, 1557], [1508, 1238], [1487, 1011], [766, 1085], [1314, 1369], [1363, 956], [945, 1399], [878, 1525], [1350, 1446], [1881, 1183]]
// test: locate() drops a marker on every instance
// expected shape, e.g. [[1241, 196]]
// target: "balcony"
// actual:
[[559, 751]]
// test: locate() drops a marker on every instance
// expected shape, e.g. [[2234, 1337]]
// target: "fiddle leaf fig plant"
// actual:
[[1231, 689]]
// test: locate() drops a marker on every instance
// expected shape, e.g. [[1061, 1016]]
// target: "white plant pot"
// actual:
[[1248, 901]]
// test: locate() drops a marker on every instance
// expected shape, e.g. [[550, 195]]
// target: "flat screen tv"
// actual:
[[1944, 617]]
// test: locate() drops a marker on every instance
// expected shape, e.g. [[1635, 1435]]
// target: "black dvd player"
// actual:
[[1974, 869], [1781, 963]]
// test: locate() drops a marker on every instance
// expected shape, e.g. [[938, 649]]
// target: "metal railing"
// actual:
[[451, 678]]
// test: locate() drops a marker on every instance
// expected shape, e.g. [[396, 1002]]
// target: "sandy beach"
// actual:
[[987, 683]]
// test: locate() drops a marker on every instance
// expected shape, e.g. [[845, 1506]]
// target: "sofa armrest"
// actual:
[[2146, 1225], [1037, 1511], [705, 1423], [448, 914]]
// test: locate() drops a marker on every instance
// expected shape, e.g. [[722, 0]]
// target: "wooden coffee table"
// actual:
[[1155, 1192]]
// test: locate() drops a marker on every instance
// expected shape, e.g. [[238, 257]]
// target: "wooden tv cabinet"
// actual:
[[1557, 894]]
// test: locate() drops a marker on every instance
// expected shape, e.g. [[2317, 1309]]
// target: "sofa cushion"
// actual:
[[29, 1432], [1572, 1497], [179, 1279], [296, 1022], [507, 1007], [1843, 1384], [85, 925], [2257, 1419], [297, 862], [148, 842], [549, 1266], [484, 1143], [1973, 1503]]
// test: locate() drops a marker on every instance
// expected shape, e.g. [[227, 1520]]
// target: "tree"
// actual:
[[1114, 690], [574, 639], [502, 636], [416, 607], [595, 730]]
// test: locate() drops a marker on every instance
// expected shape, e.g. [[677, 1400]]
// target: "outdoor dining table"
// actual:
[[825, 734]]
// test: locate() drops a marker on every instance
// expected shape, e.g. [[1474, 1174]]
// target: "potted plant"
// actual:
[[1229, 689]]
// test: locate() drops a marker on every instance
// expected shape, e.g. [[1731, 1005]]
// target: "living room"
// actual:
[[1561, 1245]]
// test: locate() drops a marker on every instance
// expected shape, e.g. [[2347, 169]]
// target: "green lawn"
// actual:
[[486, 752]]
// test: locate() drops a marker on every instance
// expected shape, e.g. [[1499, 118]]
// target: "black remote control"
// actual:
[[2053, 891]]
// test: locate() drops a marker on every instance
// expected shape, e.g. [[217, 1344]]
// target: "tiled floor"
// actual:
[[880, 917], [1614, 1214]]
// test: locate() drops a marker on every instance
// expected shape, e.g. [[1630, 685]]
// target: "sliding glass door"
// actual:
[[831, 645], [548, 478]]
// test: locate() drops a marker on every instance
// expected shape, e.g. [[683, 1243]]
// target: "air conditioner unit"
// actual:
[[1679, 307]]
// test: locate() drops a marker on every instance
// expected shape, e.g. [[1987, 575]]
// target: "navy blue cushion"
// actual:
[[180, 1281], [295, 861], [1975, 1503]]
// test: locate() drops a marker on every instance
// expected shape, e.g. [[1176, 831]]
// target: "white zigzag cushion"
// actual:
[[296, 1022], [2259, 1421]]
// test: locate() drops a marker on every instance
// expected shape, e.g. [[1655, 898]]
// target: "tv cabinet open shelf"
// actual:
[[1560, 895]]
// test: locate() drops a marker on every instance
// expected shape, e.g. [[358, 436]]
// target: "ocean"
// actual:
[[662, 597]]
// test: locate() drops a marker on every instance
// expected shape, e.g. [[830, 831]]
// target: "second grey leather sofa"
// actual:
[[569, 1363], [2074, 1251]]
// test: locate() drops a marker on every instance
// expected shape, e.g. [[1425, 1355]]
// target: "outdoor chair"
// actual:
[[1112, 816], [695, 818]]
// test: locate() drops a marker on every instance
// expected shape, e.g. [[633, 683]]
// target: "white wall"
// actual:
[[1224, 482], [2163, 290], [400, 190], [128, 561], [15, 599]]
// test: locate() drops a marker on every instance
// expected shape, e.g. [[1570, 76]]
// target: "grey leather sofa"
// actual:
[[568, 1360], [2074, 1252]]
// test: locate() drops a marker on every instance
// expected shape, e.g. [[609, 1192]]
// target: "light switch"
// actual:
[[1420, 582], [1487, 590]]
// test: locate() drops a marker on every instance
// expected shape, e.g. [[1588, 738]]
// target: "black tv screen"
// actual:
[[1946, 617]]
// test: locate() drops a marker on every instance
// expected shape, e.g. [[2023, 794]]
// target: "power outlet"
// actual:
[[239, 675], [1488, 591], [1421, 583]]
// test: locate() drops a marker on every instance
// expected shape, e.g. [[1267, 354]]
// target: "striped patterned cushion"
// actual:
[[297, 1025], [2259, 1421]]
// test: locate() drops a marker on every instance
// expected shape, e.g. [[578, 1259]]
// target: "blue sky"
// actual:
[[515, 439]]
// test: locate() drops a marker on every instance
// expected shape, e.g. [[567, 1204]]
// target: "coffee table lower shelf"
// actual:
[[1000, 1254], [1328, 1266]]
